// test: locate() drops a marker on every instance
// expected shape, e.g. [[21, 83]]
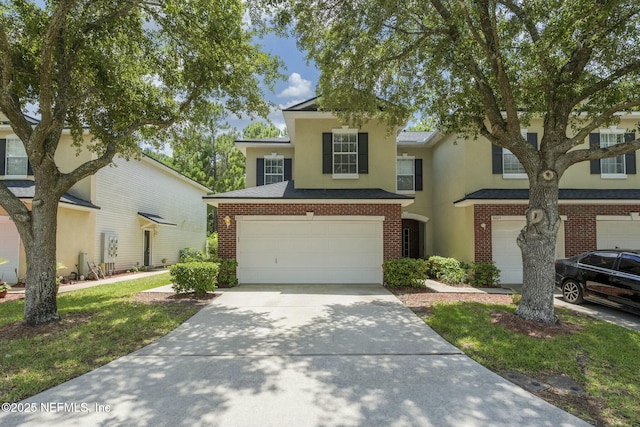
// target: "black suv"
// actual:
[[610, 277]]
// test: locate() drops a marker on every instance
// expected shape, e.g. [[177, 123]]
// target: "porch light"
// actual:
[[227, 221]]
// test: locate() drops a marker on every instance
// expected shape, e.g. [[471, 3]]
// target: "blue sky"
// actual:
[[302, 78]]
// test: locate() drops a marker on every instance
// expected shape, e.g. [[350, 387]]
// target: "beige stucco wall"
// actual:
[[68, 158], [453, 162], [307, 170], [75, 231]]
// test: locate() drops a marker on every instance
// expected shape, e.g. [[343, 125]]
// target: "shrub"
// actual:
[[484, 274], [198, 277], [212, 245], [447, 270], [405, 272], [227, 273], [191, 255]]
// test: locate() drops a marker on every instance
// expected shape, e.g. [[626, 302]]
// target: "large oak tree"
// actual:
[[487, 67], [118, 71]]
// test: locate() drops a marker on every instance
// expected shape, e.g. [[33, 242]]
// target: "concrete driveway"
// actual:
[[330, 356]]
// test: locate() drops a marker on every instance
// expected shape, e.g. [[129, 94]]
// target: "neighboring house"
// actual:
[[134, 213], [330, 203]]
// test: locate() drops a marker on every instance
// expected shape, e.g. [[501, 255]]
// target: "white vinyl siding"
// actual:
[[139, 186]]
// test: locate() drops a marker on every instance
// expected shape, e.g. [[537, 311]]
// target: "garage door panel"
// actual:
[[309, 251], [505, 250], [611, 234]]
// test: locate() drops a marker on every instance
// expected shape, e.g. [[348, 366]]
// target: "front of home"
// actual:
[[131, 214], [330, 203]]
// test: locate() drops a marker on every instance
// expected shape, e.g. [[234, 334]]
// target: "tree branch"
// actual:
[[576, 156]]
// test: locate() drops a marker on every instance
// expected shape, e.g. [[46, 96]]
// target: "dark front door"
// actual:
[[410, 238], [147, 247]]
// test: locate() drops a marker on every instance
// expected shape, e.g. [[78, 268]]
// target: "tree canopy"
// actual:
[[486, 67], [120, 72]]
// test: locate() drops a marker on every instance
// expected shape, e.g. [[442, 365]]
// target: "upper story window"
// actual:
[[345, 153], [405, 181], [504, 162], [273, 169], [16, 160], [613, 167]]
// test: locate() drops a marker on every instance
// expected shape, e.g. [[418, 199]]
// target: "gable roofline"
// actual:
[[158, 164], [286, 192]]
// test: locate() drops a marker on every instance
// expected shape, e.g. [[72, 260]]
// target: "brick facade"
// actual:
[[579, 228], [392, 225]]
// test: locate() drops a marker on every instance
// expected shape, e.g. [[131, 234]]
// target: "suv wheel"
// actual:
[[572, 292]]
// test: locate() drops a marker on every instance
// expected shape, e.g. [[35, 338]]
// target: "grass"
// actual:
[[98, 325], [602, 357]]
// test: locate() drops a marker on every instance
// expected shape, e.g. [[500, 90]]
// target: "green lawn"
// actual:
[[99, 325], [603, 358]]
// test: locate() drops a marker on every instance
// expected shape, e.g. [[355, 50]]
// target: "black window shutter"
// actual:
[[496, 159], [29, 168], [418, 174], [630, 158], [3, 154], [260, 171], [594, 142], [288, 173], [363, 152], [532, 138], [327, 152]]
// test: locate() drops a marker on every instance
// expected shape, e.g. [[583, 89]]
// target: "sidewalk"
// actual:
[[91, 283]]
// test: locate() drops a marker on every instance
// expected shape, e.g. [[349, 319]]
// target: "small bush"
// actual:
[[484, 274], [405, 272], [212, 245], [447, 270], [227, 273], [199, 277], [191, 255]]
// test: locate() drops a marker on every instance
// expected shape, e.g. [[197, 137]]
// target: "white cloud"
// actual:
[[298, 87]]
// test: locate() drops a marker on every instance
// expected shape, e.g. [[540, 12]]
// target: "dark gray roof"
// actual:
[[278, 140], [156, 219], [287, 190], [25, 189], [565, 194], [308, 105]]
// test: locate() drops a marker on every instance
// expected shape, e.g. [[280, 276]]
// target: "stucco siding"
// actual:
[[140, 186]]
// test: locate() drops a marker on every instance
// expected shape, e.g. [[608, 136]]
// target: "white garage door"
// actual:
[[9, 250], [309, 251], [505, 250], [611, 234]]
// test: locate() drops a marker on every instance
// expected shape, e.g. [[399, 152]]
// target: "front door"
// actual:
[[147, 247]]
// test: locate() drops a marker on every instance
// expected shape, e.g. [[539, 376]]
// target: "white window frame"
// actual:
[[406, 242], [13, 139], [270, 158], [508, 154], [343, 131], [412, 159], [619, 133]]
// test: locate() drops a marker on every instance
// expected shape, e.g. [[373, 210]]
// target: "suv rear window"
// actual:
[[600, 259]]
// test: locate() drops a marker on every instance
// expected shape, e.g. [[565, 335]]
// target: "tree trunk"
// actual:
[[41, 291], [537, 242]]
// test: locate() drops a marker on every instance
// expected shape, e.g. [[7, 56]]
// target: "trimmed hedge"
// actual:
[[447, 270], [199, 277], [227, 273], [484, 274], [405, 272]]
